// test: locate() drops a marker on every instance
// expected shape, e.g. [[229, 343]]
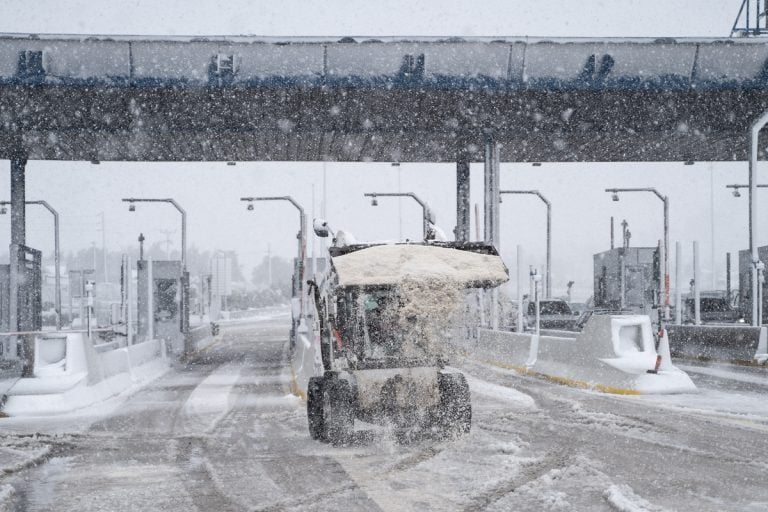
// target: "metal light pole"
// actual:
[[183, 213], [184, 277], [548, 288], [756, 305], [754, 132], [302, 237], [427, 215], [665, 252], [56, 254]]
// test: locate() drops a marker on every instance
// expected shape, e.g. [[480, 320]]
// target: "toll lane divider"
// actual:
[[614, 354], [742, 344], [69, 374], [306, 361]]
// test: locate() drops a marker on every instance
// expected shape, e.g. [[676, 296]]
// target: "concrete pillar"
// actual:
[[462, 200], [150, 302], [18, 237], [519, 288], [18, 199], [678, 285], [696, 285], [492, 197]]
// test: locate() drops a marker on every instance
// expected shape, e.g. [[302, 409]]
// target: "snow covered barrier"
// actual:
[[728, 343], [70, 374], [615, 354], [305, 361]]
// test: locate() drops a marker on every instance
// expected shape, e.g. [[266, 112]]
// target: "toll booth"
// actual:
[[631, 273], [168, 294], [745, 284]]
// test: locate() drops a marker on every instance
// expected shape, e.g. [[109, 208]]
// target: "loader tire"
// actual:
[[455, 414], [338, 411], [315, 414]]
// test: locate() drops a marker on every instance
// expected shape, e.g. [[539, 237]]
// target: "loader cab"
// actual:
[[370, 332]]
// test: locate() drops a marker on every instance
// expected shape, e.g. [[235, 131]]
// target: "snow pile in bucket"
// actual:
[[427, 311], [391, 264]]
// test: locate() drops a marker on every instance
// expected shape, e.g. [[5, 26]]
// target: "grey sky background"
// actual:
[[210, 192]]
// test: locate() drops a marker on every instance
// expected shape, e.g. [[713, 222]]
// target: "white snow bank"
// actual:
[[6, 497], [33, 400], [622, 499], [391, 264]]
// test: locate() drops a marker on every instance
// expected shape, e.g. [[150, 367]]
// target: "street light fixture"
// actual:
[[736, 188], [548, 288], [428, 217], [302, 236], [757, 311], [56, 254], [665, 253]]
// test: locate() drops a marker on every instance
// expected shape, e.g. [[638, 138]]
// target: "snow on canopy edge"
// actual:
[[384, 265]]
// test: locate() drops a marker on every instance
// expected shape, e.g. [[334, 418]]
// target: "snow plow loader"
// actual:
[[383, 312]]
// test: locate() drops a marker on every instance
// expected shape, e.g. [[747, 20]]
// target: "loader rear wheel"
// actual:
[[455, 414], [315, 414]]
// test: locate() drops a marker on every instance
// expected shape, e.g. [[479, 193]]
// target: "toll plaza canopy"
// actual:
[[363, 99]]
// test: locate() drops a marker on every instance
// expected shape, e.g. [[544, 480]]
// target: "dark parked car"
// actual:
[[554, 314], [713, 310]]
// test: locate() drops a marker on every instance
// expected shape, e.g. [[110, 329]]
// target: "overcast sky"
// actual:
[[210, 191]]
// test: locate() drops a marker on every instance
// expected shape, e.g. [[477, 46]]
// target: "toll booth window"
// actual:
[[166, 299]]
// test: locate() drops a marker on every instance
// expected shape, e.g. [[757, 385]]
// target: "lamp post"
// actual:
[[548, 287], [302, 237], [184, 277], [132, 207], [757, 270], [427, 215], [665, 253], [754, 132], [56, 259]]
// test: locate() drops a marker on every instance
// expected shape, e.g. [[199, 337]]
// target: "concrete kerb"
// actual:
[[613, 354], [70, 374]]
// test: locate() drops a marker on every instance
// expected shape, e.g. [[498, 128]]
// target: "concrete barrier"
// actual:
[[306, 361], [728, 343], [612, 354], [70, 374]]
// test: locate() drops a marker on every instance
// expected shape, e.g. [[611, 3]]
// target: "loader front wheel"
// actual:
[[455, 414], [338, 411], [315, 414]]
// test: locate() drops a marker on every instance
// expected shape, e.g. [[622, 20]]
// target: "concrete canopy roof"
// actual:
[[357, 99]]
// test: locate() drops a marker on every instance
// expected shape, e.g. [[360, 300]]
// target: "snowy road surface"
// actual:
[[225, 434]]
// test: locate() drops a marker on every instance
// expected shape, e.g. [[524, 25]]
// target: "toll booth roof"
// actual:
[[386, 265]]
